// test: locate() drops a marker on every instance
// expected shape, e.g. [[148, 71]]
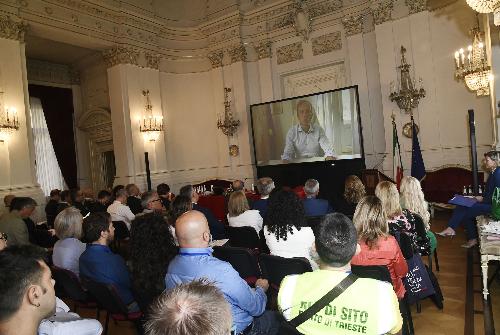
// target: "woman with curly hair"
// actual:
[[152, 248], [285, 227], [354, 191]]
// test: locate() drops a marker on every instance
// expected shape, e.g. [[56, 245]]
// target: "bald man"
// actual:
[[195, 261]]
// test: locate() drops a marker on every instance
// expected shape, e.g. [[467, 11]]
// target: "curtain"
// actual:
[[48, 172]]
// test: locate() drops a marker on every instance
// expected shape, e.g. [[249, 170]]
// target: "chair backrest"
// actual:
[[121, 230], [69, 283], [275, 268], [379, 272], [242, 260], [314, 221], [243, 237], [106, 296]]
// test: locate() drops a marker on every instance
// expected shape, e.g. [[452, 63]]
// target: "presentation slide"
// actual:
[[318, 127]]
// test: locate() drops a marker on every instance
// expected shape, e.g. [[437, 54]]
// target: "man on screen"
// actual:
[[306, 140]]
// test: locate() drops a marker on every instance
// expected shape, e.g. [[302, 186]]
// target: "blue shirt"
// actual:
[[100, 264], [197, 263], [261, 206], [492, 182], [316, 207]]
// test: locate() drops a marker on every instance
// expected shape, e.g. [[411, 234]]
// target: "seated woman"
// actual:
[[67, 251], [467, 215], [179, 206], [378, 247], [240, 214], [399, 220], [152, 248], [354, 191], [285, 227]]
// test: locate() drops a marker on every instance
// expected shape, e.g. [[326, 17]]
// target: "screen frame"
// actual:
[[360, 126]]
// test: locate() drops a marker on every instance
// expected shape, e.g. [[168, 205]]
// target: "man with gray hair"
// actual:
[[151, 202], [312, 205], [238, 185], [265, 186], [12, 223], [197, 307]]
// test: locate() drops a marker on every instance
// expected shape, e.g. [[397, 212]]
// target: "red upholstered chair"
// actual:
[[299, 190]]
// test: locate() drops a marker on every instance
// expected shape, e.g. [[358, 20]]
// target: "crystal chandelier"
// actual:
[[229, 125], [151, 126], [9, 121], [473, 68], [484, 6], [407, 96]]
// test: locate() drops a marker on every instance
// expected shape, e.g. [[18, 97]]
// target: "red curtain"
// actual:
[[57, 104]]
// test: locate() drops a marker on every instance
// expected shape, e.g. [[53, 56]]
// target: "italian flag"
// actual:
[[397, 164]]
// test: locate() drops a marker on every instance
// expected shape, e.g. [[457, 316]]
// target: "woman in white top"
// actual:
[[285, 228], [67, 251], [240, 214]]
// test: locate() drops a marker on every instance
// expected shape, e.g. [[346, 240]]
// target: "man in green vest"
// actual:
[[368, 306], [12, 223]]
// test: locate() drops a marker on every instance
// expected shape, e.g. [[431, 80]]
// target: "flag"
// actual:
[[417, 162], [397, 163]]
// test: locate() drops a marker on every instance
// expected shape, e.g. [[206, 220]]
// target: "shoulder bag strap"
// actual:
[[325, 300]]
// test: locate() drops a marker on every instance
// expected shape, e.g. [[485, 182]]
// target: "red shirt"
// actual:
[[385, 252]]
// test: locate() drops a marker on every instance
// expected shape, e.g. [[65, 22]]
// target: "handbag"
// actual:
[[290, 327], [417, 282], [495, 204]]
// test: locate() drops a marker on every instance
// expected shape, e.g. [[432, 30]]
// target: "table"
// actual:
[[490, 250]]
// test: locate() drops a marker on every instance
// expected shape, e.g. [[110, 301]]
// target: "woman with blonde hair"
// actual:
[[378, 247], [240, 214], [67, 251], [412, 198], [354, 191]]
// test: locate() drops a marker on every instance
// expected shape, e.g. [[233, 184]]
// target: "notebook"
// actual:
[[460, 200]]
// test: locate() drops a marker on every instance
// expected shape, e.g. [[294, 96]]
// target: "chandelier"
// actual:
[[407, 95], [473, 68], [9, 121], [151, 126], [229, 125], [487, 6]]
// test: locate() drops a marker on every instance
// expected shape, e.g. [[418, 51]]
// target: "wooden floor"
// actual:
[[452, 278]]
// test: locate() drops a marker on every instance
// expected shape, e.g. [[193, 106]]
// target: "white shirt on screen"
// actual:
[[121, 212], [301, 144], [249, 218]]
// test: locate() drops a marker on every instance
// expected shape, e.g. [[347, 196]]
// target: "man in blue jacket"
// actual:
[[313, 206]]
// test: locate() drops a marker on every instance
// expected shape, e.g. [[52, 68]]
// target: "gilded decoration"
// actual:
[[289, 53], [353, 24], [325, 8], [215, 58], [120, 55], [10, 29], [416, 6], [264, 49], [237, 53], [382, 12], [152, 60], [326, 43]]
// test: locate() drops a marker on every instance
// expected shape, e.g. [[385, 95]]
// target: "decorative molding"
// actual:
[[237, 53], [353, 24], [215, 58], [152, 60], [326, 43], [47, 72], [416, 6], [264, 49], [382, 12], [12, 30], [120, 55], [315, 80], [289, 53], [74, 76], [325, 8]]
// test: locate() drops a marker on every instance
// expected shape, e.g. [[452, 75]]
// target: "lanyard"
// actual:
[[194, 254]]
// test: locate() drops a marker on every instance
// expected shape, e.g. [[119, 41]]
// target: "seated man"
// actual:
[[100, 264], [102, 203], [165, 195], [197, 307], [195, 261], [367, 306], [119, 210], [64, 201], [51, 207], [12, 223], [312, 205], [264, 185], [134, 198], [151, 202], [78, 201], [216, 227]]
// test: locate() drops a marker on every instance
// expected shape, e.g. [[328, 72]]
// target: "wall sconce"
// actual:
[[229, 125], [9, 121], [151, 126]]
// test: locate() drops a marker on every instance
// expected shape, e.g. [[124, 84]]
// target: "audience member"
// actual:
[[100, 264], [67, 251], [354, 191], [197, 307], [238, 185], [367, 306], [77, 201], [152, 248], [7, 200], [102, 203], [38, 234], [12, 223], [378, 247], [179, 206], [115, 190], [240, 214], [264, 185], [195, 261], [151, 202], [216, 227], [312, 205], [119, 211], [134, 198], [285, 227], [165, 195], [51, 207], [64, 202]]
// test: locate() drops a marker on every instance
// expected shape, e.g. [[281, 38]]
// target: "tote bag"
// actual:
[[417, 282]]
